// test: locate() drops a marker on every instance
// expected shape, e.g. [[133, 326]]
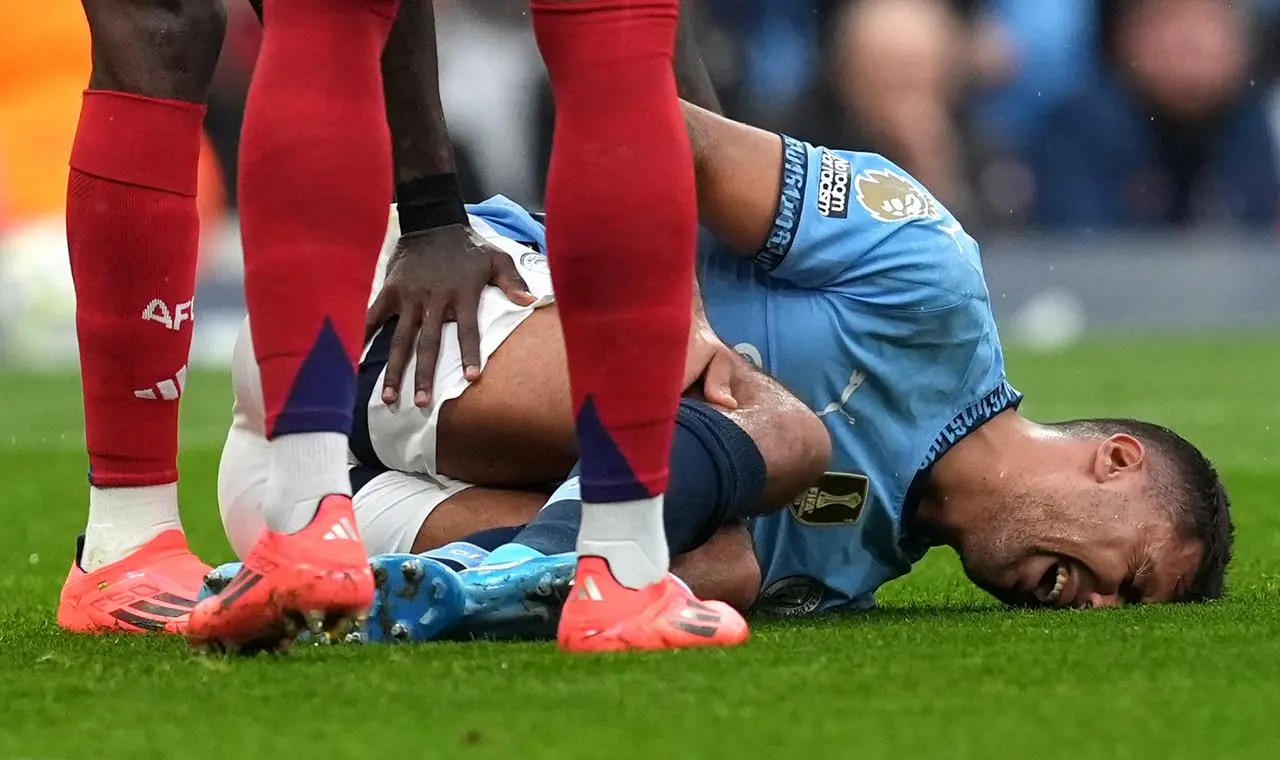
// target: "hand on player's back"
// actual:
[[436, 276]]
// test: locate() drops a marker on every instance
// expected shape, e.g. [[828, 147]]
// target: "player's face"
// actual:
[[1072, 541], [1113, 569]]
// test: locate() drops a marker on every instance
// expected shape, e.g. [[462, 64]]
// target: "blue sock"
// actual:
[[491, 539], [508, 553], [717, 473], [496, 543], [554, 530], [459, 555], [564, 503]]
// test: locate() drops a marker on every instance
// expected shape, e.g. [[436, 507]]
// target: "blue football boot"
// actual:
[[516, 600], [416, 598]]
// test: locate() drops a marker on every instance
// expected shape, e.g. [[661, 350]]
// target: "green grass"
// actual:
[[938, 671]]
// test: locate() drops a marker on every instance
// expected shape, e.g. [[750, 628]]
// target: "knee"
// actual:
[[792, 440], [797, 454], [156, 48]]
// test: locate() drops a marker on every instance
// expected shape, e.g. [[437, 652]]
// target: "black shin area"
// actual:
[[163, 49]]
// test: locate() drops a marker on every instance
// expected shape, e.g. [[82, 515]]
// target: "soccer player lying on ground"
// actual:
[[844, 279], [513, 433]]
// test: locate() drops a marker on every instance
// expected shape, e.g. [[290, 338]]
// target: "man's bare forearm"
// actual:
[[411, 78], [700, 139]]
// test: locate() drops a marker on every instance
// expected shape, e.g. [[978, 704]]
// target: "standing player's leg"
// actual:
[[621, 206], [315, 183], [133, 232]]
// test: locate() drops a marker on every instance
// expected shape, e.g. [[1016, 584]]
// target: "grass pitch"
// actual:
[[938, 671]]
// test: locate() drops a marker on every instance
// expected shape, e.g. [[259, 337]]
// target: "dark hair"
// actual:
[[1193, 490]]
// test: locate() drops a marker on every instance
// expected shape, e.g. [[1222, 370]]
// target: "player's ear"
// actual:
[[1118, 455]]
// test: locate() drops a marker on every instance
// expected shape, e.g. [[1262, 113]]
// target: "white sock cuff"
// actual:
[[305, 468], [631, 536]]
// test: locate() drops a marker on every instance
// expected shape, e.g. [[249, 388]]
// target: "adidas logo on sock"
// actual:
[[342, 530], [169, 389]]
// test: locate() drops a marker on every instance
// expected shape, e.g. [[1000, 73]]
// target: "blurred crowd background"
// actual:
[[1038, 118]]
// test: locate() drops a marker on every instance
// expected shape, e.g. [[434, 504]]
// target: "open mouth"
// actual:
[[1049, 589]]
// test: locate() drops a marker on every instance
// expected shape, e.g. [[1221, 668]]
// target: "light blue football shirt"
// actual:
[[868, 303]]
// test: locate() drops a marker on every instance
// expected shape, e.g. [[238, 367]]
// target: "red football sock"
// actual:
[[622, 215], [315, 188], [133, 233]]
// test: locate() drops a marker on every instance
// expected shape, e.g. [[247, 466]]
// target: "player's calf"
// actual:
[[133, 233]]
